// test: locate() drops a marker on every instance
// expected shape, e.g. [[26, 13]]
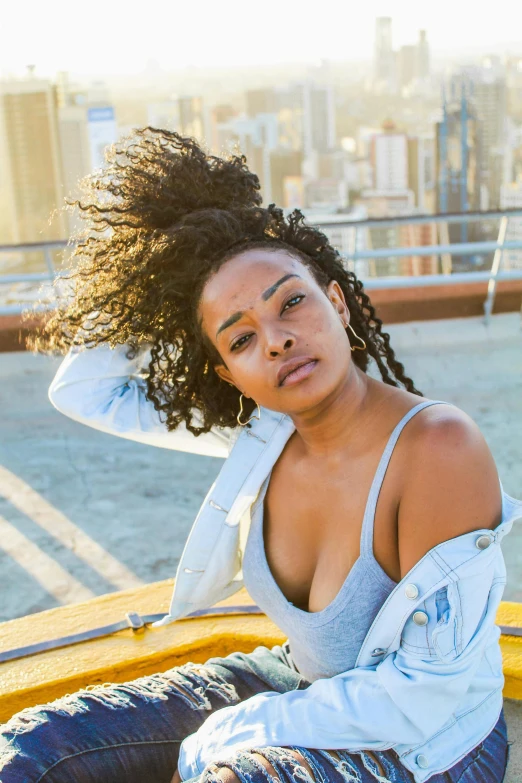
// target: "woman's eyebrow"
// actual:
[[230, 321], [273, 288], [265, 296]]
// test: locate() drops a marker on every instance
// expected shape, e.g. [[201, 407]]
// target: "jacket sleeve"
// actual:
[[405, 699], [105, 389]]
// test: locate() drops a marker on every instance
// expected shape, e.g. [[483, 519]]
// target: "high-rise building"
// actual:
[[423, 56], [491, 107], [389, 158], [511, 198], [85, 132], [402, 163], [31, 180], [421, 171], [192, 116], [458, 171], [283, 164], [305, 114], [319, 118], [310, 109], [102, 130], [486, 91], [384, 56]]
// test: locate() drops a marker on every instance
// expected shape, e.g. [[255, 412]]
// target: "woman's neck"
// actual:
[[329, 429]]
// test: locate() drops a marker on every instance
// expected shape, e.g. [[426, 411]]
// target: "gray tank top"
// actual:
[[326, 643]]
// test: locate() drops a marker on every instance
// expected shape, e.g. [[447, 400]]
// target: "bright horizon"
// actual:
[[232, 33]]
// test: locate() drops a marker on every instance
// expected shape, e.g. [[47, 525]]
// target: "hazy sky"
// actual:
[[105, 36]]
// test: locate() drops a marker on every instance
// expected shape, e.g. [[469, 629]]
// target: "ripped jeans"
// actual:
[[131, 732]]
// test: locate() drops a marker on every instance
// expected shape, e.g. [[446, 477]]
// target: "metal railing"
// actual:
[[352, 254]]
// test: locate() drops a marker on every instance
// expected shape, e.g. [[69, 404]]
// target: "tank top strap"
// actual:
[[371, 504]]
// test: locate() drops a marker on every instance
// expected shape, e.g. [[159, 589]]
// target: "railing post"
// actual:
[[445, 258], [495, 268], [49, 262], [355, 249]]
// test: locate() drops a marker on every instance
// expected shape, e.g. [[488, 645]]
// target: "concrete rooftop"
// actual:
[[83, 513]]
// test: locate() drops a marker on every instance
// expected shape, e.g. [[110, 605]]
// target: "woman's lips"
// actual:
[[299, 374]]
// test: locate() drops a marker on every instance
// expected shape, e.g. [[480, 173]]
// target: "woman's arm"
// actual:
[[380, 706], [103, 388]]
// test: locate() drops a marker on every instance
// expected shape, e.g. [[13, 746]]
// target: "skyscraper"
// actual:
[[389, 158], [318, 118], [487, 97], [31, 181], [423, 56], [458, 154], [384, 56], [458, 169], [490, 98], [306, 119]]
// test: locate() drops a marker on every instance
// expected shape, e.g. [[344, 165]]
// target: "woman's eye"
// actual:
[[293, 301], [239, 343]]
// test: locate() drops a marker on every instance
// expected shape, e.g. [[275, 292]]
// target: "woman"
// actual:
[[201, 321]]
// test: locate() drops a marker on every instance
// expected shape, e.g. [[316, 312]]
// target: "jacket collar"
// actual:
[[264, 440]]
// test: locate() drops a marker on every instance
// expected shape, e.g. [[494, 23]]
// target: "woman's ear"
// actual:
[[336, 296], [225, 375]]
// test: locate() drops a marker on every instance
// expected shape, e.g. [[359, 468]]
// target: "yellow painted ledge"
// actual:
[[510, 613], [129, 654], [123, 656]]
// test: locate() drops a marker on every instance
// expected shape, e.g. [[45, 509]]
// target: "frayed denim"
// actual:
[[131, 733]]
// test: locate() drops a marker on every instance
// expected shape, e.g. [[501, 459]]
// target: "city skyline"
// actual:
[[242, 35], [397, 135]]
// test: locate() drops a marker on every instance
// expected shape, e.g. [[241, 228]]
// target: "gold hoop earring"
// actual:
[[356, 347], [254, 416]]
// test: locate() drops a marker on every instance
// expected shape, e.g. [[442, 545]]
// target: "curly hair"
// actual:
[[161, 218]]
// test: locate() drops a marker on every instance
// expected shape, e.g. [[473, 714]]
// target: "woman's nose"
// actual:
[[278, 343]]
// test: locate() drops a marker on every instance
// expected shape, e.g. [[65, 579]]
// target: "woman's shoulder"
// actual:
[[450, 481], [438, 419], [445, 431]]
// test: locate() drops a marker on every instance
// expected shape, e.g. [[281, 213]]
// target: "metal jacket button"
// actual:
[[378, 651], [422, 761], [411, 591], [420, 618], [483, 542]]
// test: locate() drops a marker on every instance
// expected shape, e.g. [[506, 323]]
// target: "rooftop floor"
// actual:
[[83, 513]]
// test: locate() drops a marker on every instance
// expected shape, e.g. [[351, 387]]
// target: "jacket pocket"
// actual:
[[433, 630], [447, 636]]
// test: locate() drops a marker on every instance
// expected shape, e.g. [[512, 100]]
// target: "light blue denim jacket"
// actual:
[[431, 692]]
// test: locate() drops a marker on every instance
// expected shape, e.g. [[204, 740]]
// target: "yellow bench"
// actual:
[[129, 654]]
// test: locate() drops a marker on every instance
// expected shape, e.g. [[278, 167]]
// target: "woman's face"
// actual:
[[281, 337]]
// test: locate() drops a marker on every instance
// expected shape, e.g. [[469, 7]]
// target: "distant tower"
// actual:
[[423, 56], [318, 118], [490, 101], [458, 155], [384, 57]]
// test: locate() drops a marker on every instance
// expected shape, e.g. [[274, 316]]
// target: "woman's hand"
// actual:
[[176, 778]]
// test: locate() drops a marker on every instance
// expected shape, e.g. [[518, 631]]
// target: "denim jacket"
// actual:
[[428, 678]]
